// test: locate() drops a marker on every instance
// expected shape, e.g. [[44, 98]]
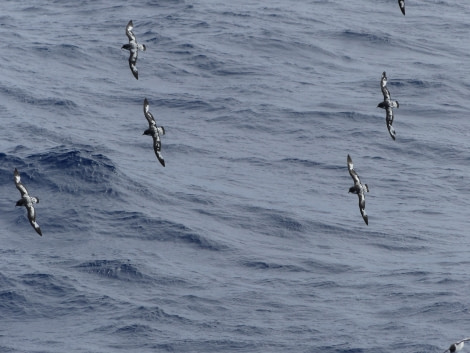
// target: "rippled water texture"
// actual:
[[247, 241]]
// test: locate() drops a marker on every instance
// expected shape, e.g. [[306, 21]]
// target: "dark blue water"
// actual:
[[247, 241]]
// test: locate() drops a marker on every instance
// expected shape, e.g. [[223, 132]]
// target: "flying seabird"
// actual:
[[133, 48], [401, 3], [27, 201], [457, 346], [388, 105], [155, 131], [359, 189]]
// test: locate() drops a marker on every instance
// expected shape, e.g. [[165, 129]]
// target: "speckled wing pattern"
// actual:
[[352, 172], [18, 184]]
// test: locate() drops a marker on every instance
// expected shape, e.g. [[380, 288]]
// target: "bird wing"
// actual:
[[147, 113], [133, 62], [352, 172], [389, 116], [386, 93], [362, 200], [157, 146], [362, 206], [464, 340], [401, 3], [389, 120], [383, 86], [129, 33], [32, 219], [18, 184]]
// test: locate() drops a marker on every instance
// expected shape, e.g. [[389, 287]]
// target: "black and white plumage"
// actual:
[[27, 201], [359, 189], [155, 131], [388, 104], [401, 3], [133, 48], [457, 346]]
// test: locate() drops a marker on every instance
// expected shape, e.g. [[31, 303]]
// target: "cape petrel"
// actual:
[[401, 3], [457, 346], [388, 105], [133, 48], [155, 131], [359, 189], [27, 201]]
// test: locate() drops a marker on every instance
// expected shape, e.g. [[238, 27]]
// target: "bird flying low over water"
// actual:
[[155, 131], [27, 201], [401, 3], [388, 105], [457, 346], [133, 48], [359, 189]]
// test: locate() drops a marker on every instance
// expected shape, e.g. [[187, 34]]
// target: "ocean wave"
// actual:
[[135, 329], [139, 226], [68, 51], [368, 37], [27, 97], [14, 304], [152, 313], [45, 284], [76, 169], [264, 265], [188, 102], [122, 270], [270, 222]]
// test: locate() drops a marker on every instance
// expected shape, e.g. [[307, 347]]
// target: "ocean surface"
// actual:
[[247, 241]]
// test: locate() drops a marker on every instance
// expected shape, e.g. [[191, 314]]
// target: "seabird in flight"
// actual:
[[133, 48], [359, 189], [27, 201], [388, 105], [155, 131]]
